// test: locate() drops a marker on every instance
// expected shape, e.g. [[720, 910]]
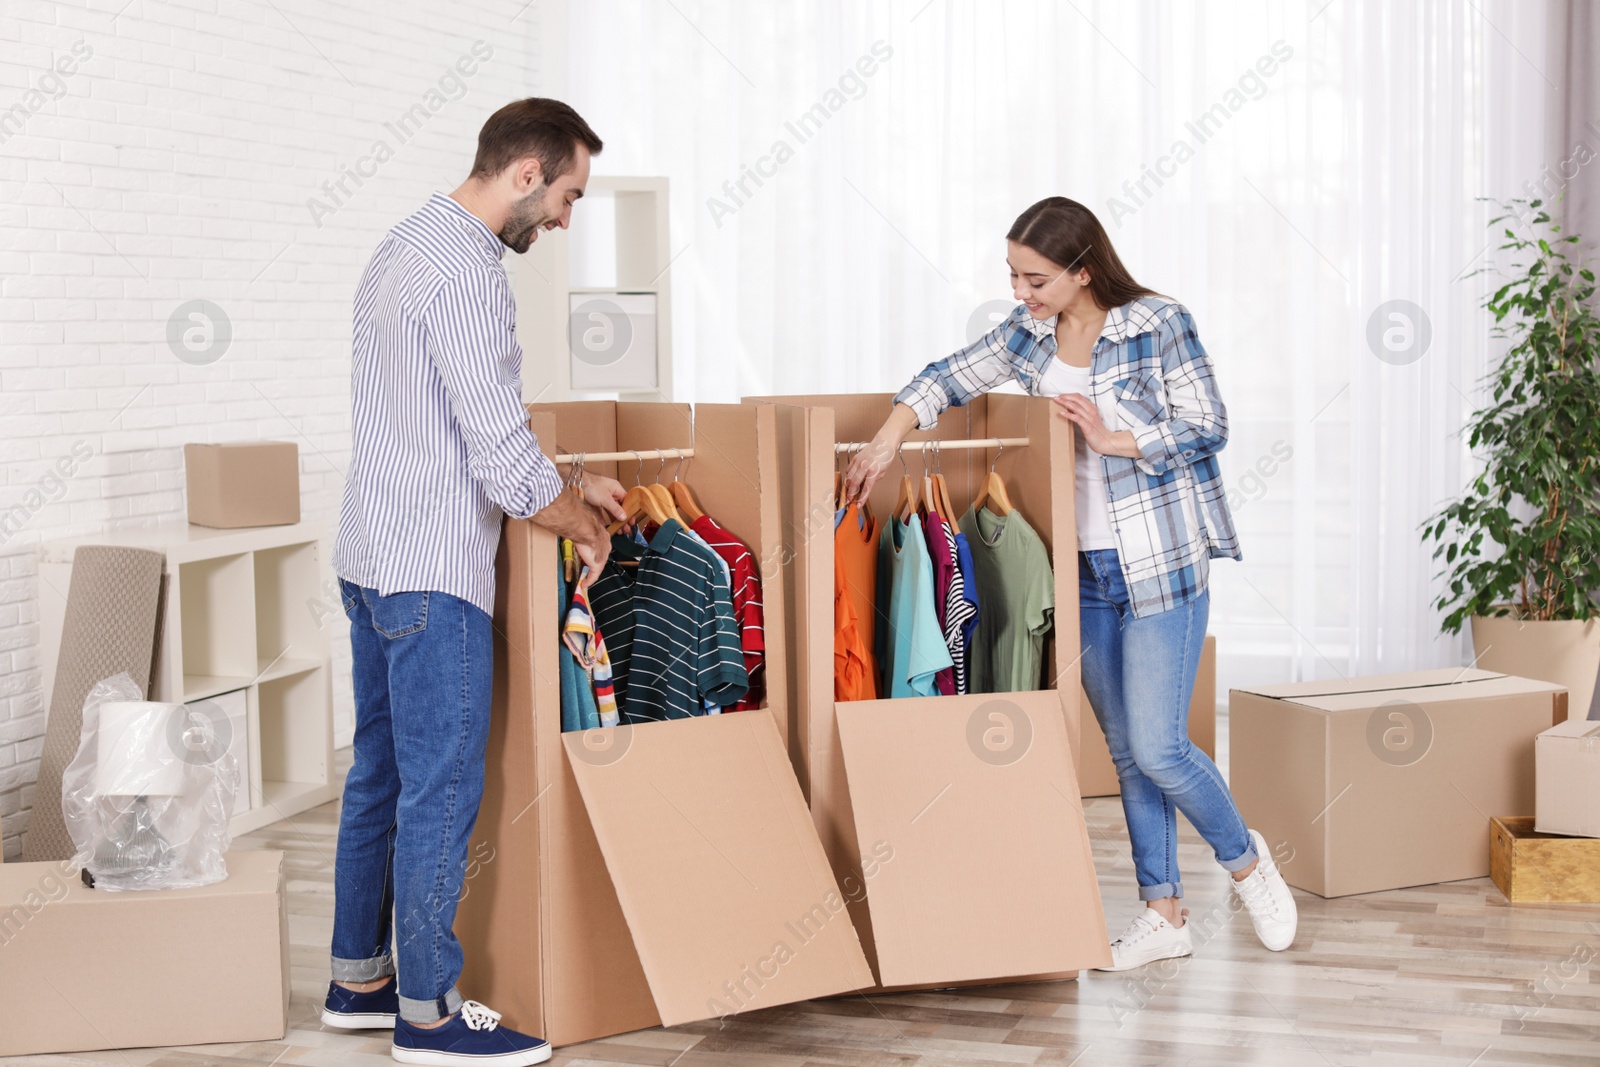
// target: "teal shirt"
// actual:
[[578, 708], [914, 645]]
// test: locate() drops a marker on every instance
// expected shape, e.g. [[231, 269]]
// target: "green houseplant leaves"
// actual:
[[1524, 539]]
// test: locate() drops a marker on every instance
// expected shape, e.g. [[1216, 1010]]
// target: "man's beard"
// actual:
[[524, 220]]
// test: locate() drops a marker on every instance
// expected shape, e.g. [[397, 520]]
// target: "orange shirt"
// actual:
[[855, 578]]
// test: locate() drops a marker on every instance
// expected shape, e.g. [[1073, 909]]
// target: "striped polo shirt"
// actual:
[[686, 650], [440, 442]]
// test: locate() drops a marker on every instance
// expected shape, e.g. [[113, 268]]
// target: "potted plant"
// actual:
[[1521, 547]]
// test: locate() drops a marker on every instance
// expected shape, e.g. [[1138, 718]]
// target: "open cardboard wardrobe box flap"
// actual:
[[663, 872], [954, 823]]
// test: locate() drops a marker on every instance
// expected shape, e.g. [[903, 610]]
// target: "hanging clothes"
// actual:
[[951, 602], [581, 635], [611, 597], [578, 708], [745, 594], [969, 593], [855, 608], [912, 648], [686, 649], [1018, 590]]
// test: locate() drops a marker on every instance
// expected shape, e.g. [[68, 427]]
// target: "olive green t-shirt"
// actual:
[[1018, 592]]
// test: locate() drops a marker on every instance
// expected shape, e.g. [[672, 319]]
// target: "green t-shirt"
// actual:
[[1018, 592]]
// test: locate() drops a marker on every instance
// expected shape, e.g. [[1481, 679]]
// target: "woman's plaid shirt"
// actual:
[[1169, 510]]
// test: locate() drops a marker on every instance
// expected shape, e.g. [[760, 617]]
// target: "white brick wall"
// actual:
[[166, 153]]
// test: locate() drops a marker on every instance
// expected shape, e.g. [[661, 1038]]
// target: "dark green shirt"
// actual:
[[686, 651]]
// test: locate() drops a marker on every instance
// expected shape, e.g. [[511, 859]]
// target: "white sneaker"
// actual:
[[1266, 896], [1148, 938]]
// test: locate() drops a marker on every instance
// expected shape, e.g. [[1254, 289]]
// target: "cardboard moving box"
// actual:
[[974, 798], [1097, 775], [1535, 868], [1385, 782], [1567, 779], [84, 969], [242, 483], [655, 874]]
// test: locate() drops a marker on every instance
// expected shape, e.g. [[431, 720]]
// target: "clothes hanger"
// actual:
[[663, 496], [992, 494], [941, 488], [639, 503], [838, 480], [682, 495], [569, 558], [905, 506], [930, 498]]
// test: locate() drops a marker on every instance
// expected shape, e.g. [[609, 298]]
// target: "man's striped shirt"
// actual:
[[441, 447]]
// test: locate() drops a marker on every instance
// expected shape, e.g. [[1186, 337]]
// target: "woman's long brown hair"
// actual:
[[1067, 234]]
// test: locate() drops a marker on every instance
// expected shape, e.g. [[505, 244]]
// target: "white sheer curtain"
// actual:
[[1282, 169]]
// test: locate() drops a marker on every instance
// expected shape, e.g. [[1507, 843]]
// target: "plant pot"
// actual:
[[1565, 652]]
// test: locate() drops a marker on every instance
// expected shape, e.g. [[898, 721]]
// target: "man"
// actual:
[[441, 450]]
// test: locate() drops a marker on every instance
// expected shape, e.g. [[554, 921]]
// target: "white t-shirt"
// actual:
[[1093, 498]]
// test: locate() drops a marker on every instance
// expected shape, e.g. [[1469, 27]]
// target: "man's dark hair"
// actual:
[[548, 130]]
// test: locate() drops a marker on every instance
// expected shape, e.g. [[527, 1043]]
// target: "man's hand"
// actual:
[[568, 516], [605, 494]]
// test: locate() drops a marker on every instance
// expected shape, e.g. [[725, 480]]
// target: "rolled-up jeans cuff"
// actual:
[[430, 1011], [1161, 892], [1249, 856], [363, 970]]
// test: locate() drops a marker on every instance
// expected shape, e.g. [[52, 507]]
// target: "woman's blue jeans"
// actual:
[[423, 674], [1139, 675]]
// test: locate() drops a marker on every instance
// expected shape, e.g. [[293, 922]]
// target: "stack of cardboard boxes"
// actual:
[[1554, 855]]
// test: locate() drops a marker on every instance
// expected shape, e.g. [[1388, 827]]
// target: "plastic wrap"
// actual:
[[148, 796]]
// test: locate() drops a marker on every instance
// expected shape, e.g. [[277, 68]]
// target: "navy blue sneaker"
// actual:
[[474, 1036], [349, 1010]]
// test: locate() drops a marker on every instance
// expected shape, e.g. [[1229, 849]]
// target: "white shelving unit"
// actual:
[[619, 246], [242, 613]]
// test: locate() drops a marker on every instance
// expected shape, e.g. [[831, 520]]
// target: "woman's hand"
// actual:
[[1086, 417], [866, 468], [869, 464]]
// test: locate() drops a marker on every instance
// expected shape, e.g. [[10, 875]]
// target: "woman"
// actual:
[[1127, 369]]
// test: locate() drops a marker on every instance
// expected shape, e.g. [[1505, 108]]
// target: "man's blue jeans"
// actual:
[[1139, 674], [423, 678]]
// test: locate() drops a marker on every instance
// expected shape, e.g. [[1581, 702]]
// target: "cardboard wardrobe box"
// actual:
[[242, 483], [1567, 779], [1536, 868], [84, 969], [954, 823], [1389, 781], [1097, 775], [662, 873]]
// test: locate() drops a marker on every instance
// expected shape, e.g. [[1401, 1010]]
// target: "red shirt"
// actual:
[[745, 580]]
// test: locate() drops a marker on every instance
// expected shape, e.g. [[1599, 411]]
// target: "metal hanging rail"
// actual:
[[941, 446]]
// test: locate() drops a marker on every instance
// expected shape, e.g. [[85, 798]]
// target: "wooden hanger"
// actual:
[[663, 495], [905, 506], [941, 489], [641, 503], [683, 496], [992, 494]]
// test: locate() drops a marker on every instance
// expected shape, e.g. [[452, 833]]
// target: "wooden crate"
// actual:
[[1530, 867]]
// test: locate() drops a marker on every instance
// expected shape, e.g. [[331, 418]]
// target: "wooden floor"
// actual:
[[1443, 976]]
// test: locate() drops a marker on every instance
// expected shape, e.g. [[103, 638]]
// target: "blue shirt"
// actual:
[[1169, 510], [913, 649], [440, 447]]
